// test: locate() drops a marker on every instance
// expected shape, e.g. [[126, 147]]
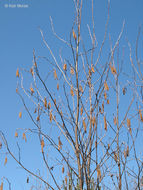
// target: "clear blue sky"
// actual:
[[19, 34]]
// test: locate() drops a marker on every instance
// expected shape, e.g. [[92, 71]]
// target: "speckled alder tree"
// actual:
[[87, 112]]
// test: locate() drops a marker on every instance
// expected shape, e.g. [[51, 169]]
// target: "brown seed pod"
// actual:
[[105, 95], [105, 124], [1, 186], [20, 114], [115, 121], [31, 71], [59, 144], [24, 137], [84, 125], [51, 117], [90, 72], [72, 71], [45, 103], [55, 101], [93, 121], [113, 69], [96, 144], [108, 102], [16, 134], [128, 122], [61, 113], [115, 157], [98, 173], [80, 88], [0, 144], [63, 169], [71, 91], [140, 114], [49, 105], [81, 110], [42, 145], [55, 74], [17, 73], [124, 90], [38, 118], [35, 64], [103, 107], [125, 155], [66, 181], [5, 161], [106, 86], [65, 67], [27, 180], [127, 151], [32, 90], [58, 86], [92, 69], [74, 35]]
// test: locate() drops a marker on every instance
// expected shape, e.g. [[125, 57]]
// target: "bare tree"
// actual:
[[88, 109]]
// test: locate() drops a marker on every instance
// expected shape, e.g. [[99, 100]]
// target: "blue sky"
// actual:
[[19, 34]]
